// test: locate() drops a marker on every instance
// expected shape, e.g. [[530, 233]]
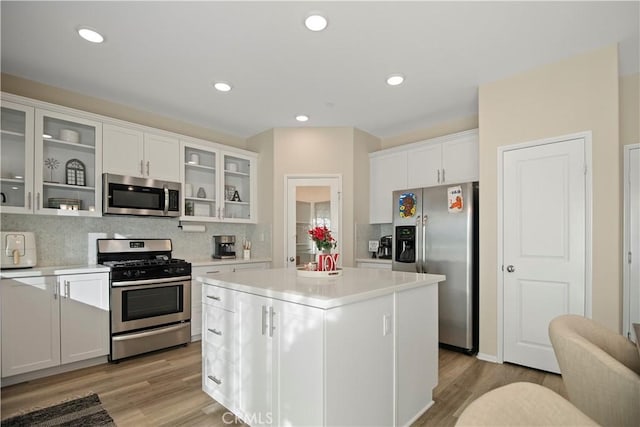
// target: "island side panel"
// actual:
[[359, 364], [416, 351]]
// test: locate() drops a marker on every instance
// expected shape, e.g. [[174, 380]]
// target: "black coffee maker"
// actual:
[[384, 248]]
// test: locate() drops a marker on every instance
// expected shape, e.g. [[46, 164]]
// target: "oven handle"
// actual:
[[150, 333], [150, 281]]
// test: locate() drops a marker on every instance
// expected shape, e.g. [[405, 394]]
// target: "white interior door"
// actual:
[[631, 310], [544, 246], [311, 201]]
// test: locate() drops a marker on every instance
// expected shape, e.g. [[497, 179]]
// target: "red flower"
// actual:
[[322, 237]]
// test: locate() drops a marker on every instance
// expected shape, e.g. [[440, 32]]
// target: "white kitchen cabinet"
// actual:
[[131, 152], [51, 161], [239, 187], [196, 289], [30, 324], [84, 316], [279, 362], [16, 162], [449, 159], [218, 185], [367, 362], [68, 164], [52, 320], [219, 364], [388, 172]]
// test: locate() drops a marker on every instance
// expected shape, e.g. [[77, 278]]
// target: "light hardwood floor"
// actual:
[[163, 389]]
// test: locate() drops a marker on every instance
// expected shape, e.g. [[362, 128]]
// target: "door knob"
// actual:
[[292, 259], [510, 269]]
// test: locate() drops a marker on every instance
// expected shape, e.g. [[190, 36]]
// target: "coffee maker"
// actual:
[[384, 249], [224, 247]]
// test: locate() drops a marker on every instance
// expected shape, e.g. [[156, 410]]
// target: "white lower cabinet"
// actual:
[[48, 321], [273, 362], [196, 289]]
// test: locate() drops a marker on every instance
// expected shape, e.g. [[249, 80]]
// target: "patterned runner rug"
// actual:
[[85, 411]]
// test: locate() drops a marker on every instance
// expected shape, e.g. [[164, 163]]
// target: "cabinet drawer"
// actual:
[[218, 330], [219, 297], [219, 377]]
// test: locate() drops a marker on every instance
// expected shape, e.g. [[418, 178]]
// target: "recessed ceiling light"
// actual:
[[222, 86], [302, 118], [395, 79], [315, 22], [90, 35]]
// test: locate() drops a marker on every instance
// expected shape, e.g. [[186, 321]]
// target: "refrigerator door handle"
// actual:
[[423, 249], [418, 248]]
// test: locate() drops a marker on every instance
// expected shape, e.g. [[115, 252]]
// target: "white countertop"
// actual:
[[374, 260], [211, 261], [52, 271], [355, 284]]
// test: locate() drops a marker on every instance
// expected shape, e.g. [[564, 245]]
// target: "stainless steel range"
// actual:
[[150, 295]]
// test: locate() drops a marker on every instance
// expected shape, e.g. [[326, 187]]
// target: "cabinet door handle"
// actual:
[[213, 297], [264, 319], [213, 272], [141, 167], [29, 200], [272, 328], [214, 379], [67, 289], [148, 173], [38, 201], [56, 289], [443, 180], [215, 331], [438, 176]]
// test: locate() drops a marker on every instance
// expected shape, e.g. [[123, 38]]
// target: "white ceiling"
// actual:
[[163, 56]]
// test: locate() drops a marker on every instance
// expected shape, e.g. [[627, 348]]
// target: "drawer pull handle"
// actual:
[[215, 331], [214, 379], [213, 297]]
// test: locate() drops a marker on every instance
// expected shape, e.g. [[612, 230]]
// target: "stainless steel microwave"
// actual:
[[128, 195]]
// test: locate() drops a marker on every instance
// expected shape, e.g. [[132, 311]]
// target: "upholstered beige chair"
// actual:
[[522, 404], [600, 369]]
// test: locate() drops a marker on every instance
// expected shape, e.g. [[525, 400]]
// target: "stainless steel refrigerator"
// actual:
[[435, 230]]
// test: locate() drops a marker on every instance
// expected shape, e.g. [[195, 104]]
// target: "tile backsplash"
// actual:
[[63, 240]]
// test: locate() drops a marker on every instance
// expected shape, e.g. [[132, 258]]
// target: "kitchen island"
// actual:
[[355, 349]]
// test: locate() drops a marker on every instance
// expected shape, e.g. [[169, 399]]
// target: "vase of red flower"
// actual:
[[321, 236]]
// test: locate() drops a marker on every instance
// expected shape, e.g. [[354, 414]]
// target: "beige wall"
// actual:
[[333, 150], [445, 128], [630, 109], [578, 94], [54, 95], [363, 144]]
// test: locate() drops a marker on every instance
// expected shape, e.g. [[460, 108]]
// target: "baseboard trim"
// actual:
[[34, 375], [419, 414], [487, 357]]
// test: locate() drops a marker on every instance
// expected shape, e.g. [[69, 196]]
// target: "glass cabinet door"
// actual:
[[200, 184], [68, 165], [16, 158], [238, 188]]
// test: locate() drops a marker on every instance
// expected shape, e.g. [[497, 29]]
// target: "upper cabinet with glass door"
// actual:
[[200, 182], [67, 164], [16, 159], [218, 186], [239, 188]]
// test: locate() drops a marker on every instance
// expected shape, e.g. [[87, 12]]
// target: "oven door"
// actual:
[[143, 306]]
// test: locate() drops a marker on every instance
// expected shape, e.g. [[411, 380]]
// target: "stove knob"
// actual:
[[127, 274]]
